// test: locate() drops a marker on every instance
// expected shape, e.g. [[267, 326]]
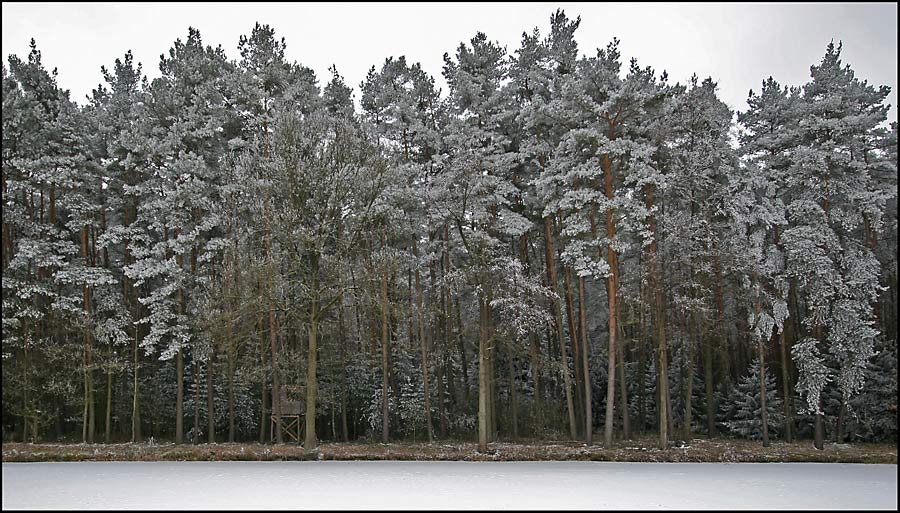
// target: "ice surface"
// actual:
[[447, 485]]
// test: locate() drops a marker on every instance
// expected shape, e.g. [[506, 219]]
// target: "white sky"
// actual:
[[739, 45]]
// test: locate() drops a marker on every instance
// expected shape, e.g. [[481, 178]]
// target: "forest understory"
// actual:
[[638, 449]]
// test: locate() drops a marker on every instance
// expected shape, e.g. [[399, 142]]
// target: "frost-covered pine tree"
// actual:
[[121, 145], [537, 76], [740, 411], [478, 193], [650, 184], [875, 408], [761, 264], [602, 152], [682, 382], [177, 214], [403, 107], [701, 165], [836, 208], [42, 164], [766, 143]]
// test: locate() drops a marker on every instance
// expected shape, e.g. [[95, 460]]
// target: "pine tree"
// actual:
[[602, 152], [402, 105], [874, 410], [477, 189], [264, 85], [538, 77], [834, 209], [740, 408], [701, 168], [121, 145], [176, 214], [47, 155], [679, 374]]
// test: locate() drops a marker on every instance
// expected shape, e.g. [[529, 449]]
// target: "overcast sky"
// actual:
[[738, 45]]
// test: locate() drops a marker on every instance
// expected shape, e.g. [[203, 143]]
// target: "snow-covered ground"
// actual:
[[447, 485]]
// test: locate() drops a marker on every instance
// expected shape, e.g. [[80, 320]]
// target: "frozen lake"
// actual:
[[447, 485]]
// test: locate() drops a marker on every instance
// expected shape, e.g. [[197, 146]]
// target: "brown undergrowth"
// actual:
[[637, 450]]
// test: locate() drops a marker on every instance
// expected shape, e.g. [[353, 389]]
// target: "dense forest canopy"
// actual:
[[559, 245]]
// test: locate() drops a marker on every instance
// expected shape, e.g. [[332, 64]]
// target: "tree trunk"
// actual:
[[642, 363], [135, 405], [196, 365], [179, 364], [109, 379], [7, 243], [689, 393], [88, 421], [491, 373], [230, 364], [512, 398], [612, 285], [762, 374], [462, 351], [108, 431], [26, 405], [385, 434], [819, 436], [439, 376], [785, 372], [623, 389], [708, 383], [423, 345], [662, 382], [273, 348], [786, 387], [230, 346], [210, 405], [127, 293], [762, 391], [342, 343], [264, 384], [719, 328], [586, 372], [839, 429], [483, 386], [554, 285], [489, 383], [310, 443], [576, 350], [669, 417], [445, 349]]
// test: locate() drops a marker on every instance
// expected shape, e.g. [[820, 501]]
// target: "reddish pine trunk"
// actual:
[[87, 431], [612, 285], [576, 350]]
